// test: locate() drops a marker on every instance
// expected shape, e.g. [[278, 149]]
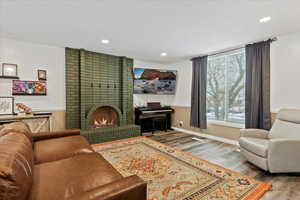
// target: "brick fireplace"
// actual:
[[104, 116], [99, 90]]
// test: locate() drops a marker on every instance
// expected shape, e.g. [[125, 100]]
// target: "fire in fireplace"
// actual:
[[104, 116]]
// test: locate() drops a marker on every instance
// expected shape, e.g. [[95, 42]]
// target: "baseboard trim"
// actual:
[[220, 139]]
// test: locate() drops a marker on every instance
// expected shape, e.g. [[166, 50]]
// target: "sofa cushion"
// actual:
[[285, 129], [16, 166], [255, 145], [289, 115], [65, 178], [60, 148], [20, 127], [255, 159]]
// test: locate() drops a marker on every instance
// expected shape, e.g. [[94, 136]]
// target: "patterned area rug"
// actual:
[[174, 174]]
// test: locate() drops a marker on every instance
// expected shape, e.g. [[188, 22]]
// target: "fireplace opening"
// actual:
[[105, 116]]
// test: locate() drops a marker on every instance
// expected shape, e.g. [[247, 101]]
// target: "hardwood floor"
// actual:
[[284, 186]]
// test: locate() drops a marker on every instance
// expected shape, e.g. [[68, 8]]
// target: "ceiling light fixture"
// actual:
[[265, 19], [163, 54], [105, 41]]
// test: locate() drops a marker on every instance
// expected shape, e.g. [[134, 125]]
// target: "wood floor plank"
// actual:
[[285, 186]]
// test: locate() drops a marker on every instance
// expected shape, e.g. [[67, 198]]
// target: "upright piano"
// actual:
[[144, 116]]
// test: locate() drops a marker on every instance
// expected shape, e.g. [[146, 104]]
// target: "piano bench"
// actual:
[[160, 122]]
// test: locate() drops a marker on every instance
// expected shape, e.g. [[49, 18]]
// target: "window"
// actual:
[[226, 87]]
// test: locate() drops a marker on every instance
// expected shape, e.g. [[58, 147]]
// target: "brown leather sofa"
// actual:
[[58, 166]]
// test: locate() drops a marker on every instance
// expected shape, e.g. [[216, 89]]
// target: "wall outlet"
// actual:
[[180, 123]]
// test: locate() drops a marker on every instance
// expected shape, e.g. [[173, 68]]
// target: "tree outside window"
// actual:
[[226, 87]]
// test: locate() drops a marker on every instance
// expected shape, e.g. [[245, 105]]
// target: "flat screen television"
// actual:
[[154, 81]]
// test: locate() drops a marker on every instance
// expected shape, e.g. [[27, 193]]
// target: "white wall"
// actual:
[[285, 75], [182, 96], [285, 72], [184, 83], [31, 57]]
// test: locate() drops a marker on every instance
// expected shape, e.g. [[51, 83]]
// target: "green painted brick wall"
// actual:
[[97, 79], [72, 88]]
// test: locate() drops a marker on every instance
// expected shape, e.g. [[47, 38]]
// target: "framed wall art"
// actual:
[[29, 88], [6, 105], [42, 74], [9, 70]]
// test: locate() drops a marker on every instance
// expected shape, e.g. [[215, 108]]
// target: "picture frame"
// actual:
[[32, 88], [42, 74], [154, 81], [9, 70], [6, 105]]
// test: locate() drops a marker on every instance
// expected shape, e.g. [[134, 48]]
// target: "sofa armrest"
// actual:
[[131, 187], [254, 133], [283, 155], [55, 134]]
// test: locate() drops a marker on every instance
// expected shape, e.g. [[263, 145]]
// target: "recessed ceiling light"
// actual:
[[105, 41], [163, 54], [265, 19]]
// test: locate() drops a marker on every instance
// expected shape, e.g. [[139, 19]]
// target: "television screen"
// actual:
[[154, 81]]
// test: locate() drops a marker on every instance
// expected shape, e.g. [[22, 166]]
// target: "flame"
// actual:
[[103, 122]]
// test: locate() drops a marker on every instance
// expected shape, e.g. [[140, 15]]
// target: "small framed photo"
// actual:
[[6, 105], [10, 70], [42, 74]]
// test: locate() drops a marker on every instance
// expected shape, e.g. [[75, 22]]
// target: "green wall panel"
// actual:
[[72, 88], [97, 79]]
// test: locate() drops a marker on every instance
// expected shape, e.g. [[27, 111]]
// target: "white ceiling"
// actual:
[[143, 29]]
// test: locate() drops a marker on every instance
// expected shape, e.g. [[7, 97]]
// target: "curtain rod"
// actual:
[[274, 39]]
